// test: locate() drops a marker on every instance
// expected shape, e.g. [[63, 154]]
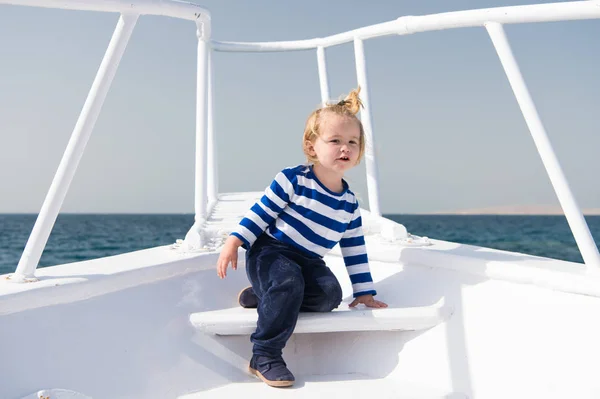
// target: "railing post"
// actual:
[[213, 182], [365, 114], [194, 238], [74, 151], [575, 218], [323, 77]]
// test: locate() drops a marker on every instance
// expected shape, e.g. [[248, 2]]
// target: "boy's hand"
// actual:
[[368, 301], [229, 254]]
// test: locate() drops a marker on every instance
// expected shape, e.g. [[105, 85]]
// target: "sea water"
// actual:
[[77, 237]]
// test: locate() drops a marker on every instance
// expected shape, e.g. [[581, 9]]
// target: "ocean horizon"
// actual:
[[83, 236]]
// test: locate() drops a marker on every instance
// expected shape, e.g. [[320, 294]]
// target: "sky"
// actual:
[[448, 132]]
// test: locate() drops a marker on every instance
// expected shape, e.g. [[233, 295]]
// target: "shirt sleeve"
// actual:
[[266, 210], [355, 256]]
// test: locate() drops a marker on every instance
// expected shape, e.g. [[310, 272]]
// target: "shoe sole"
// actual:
[[276, 384]]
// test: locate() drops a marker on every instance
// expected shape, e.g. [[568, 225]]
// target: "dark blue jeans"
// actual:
[[286, 281]]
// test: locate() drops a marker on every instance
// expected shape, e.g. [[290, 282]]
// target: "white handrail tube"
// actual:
[[213, 183], [575, 218], [450, 20], [194, 238], [74, 151], [323, 77], [382, 29], [201, 125], [167, 8], [367, 121]]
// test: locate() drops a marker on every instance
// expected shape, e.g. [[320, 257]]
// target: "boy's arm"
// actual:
[[256, 220], [355, 256], [266, 210], [229, 254]]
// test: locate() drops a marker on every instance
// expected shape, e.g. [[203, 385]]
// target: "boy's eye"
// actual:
[[352, 142], [334, 141]]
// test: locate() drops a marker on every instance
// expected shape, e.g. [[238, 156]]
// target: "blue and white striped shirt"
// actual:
[[299, 210]]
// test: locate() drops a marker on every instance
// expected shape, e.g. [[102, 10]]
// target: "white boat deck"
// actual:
[[347, 386]]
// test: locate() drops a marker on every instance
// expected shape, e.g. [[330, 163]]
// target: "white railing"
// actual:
[[206, 178], [166, 8], [130, 11], [194, 238], [79, 138], [492, 19], [413, 24]]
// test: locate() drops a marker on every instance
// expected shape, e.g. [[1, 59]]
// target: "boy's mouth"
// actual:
[[344, 158]]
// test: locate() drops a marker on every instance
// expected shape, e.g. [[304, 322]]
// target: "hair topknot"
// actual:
[[351, 103]]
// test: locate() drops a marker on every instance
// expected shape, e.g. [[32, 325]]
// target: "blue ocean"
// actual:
[[77, 237]]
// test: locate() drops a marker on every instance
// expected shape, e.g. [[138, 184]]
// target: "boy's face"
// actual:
[[338, 146]]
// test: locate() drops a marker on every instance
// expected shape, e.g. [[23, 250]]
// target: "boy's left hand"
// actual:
[[368, 301]]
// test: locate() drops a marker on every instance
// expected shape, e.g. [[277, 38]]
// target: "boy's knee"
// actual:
[[335, 295], [287, 276], [332, 296], [293, 285]]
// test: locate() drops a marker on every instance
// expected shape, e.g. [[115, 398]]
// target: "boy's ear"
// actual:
[[309, 148]]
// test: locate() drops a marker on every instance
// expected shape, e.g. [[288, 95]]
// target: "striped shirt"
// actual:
[[299, 210]]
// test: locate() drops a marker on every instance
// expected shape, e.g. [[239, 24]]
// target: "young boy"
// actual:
[[304, 213]]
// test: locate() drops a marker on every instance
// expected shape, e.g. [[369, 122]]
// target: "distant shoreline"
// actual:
[[536, 210]]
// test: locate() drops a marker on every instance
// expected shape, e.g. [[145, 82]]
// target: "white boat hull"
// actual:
[[119, 327]]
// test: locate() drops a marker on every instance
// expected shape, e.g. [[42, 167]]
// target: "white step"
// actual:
[[348, 386], [240, 321]]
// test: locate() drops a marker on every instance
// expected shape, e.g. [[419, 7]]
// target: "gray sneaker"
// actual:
[[272, 370]]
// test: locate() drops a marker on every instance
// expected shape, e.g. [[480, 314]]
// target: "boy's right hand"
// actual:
[[229, 254]]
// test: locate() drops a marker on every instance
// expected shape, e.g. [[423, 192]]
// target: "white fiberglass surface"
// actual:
[[138, 341]]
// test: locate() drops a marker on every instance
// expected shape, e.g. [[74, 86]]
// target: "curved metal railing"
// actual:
[[205, 191], [167, 8], [413, 24]]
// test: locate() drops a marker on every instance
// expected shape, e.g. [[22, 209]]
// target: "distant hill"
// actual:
[[517, 210]]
